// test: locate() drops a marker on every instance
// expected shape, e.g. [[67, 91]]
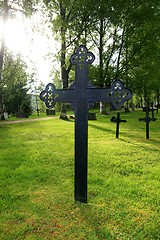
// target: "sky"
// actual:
[[33, 39]]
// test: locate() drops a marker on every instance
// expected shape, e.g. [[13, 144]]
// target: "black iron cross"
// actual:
[[81, 95], [147, 120], [117, 120]]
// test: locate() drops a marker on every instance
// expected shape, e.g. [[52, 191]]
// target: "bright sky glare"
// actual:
[[34, 41]]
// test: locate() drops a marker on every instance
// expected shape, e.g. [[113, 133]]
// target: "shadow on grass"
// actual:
[[146, 147], [154, 141], [101, 128], [129, 137], [110, 130]]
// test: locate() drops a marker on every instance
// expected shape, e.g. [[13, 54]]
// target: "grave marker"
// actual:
[[147, 120], [117, 120], [80, 96]]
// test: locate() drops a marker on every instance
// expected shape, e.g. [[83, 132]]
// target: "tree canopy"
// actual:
[[8, 10], [16, 83], [124, 34]]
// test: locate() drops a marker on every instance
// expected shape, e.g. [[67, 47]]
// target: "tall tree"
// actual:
[[16, 82], [125, 30], [70, 21], [7, 9], [120, 30]]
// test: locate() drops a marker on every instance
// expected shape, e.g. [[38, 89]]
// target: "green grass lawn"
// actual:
[[37, 181]]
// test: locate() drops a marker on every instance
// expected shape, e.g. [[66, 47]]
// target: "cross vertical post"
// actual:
[[147, 124], [81, 59], [117, 125]]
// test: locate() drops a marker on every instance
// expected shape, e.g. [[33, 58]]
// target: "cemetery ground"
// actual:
[[37, 181]]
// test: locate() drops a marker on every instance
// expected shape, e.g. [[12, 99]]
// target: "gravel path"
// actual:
[[25, 120]]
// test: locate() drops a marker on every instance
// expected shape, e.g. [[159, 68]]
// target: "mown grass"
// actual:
[[37, 181]]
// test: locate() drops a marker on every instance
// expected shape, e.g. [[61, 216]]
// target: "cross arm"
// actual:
[[116, 95], [98, 95], [51, 95]]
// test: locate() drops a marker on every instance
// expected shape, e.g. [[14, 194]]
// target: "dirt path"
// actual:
[[25, 120]]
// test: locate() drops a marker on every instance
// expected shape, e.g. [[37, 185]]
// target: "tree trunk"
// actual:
[[101, 62], [2, 51], [64, 72], [119, 55], [63, 46], [101, 53]]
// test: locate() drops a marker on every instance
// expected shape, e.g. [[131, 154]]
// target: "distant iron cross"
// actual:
[[117, 120], [80, 96], [147, 120]]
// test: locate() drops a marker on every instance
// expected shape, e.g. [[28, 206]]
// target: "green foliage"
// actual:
[[124, 34], [15, 80], [26, 106], [27, 7], [37, 179]]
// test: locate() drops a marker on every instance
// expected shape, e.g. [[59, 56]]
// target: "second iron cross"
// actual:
[[80, 95]]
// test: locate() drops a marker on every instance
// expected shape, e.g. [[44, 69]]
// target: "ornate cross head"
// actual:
[[82, 57], [48, 95], [119, 94]]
